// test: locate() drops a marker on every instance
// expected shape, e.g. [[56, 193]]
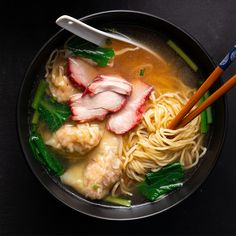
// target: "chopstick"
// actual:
[[216, 95], [177, 121]]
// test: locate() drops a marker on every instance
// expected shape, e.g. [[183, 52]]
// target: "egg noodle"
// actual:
[[151, 145], [51, 62]]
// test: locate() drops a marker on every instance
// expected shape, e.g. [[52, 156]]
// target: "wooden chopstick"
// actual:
[[196, 97], [231, 55], [216, 95]]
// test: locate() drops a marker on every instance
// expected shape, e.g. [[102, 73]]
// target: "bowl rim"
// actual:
[[20, 137]]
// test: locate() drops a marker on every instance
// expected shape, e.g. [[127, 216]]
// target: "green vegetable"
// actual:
[[183, 55], [204, 124], [43, 155], [118, 201], [151, 192], [165, 175], [162, 182], [208, 110], [39, 93], [141, 72], [53, 113], [35, 118], [83, 48]]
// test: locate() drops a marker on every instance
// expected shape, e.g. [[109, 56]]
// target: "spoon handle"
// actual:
[[84, 31]]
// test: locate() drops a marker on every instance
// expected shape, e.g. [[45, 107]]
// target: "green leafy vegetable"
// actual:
[[183, 55], [53, 113], [43, 155], [83, 48], [165, 175], [118, 201], [162, 182], [141, 72], [151, 192], [39, 93]]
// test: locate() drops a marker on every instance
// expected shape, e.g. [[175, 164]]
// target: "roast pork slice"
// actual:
[[80, 72], [88, 108], [75, 97], [110, 83], [127, 118], [82, 114]]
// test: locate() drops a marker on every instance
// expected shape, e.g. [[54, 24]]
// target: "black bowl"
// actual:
[[141, 209]]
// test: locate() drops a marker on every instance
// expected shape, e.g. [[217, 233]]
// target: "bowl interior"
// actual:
[[152, 25]]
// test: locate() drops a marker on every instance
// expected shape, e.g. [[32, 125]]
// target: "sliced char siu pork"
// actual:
[[81, 73], [109, 83], [86, 108], [132, 113]]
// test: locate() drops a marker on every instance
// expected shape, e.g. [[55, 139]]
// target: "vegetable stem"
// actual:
[[39, 93], [35, 118], [118, 201], [204, 125], [208, 110], [183, 55]]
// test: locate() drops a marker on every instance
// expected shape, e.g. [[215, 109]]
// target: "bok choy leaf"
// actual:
[[82, 48], [162, 181]]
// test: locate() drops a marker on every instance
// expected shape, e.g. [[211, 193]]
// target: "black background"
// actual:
[[26, 207]]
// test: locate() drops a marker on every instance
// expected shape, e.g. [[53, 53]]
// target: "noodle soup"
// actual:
[[101, 115]]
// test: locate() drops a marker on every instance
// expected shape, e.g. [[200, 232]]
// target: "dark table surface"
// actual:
[[26, 207]]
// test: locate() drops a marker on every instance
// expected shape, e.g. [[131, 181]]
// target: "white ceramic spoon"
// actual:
[[94, 35]]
